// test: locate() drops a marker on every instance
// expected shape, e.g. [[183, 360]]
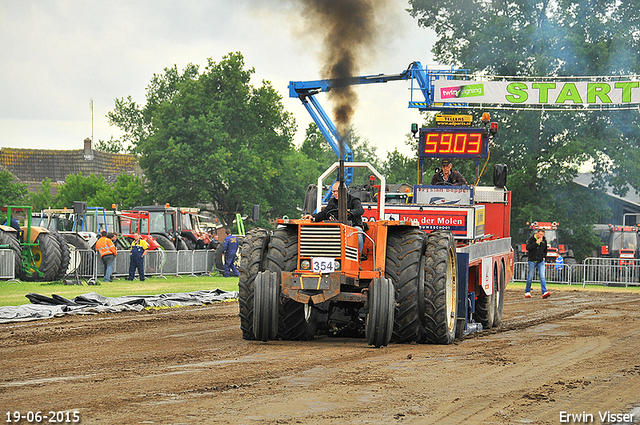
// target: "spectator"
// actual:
[[537, 248], [138, 251], [108, 253], [229, 249]]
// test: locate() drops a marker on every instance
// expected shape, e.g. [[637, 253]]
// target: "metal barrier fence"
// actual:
[[86, 264], [592, 271], [7, 264]]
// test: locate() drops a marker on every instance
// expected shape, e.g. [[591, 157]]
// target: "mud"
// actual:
[[577, 353]]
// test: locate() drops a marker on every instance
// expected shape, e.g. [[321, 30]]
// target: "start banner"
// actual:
[[596, 91]]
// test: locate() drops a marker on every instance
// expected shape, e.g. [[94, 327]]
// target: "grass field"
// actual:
[[13, 293]]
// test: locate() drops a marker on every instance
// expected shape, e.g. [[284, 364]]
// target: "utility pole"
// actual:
[[91, 107]]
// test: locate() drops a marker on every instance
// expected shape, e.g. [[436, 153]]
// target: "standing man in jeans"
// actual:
[[108, 252], [537, 249]]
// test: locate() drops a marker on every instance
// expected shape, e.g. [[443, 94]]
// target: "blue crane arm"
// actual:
[[306, 91]]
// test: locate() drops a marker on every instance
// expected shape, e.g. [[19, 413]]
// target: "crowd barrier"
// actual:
[[86, 264], [7, 264], [592, 271]]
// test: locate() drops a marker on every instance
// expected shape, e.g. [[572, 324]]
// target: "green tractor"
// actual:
[[40, 254]]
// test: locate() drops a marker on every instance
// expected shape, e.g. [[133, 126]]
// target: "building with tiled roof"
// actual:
[[34, 165]]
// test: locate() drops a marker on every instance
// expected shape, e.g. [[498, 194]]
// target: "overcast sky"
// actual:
[[55, 56]]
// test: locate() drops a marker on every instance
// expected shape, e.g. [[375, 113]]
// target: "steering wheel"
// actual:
[[444, 184]]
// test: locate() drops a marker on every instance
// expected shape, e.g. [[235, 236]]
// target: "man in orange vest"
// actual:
[[108, 252]]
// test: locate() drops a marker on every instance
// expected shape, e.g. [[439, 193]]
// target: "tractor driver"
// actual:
[[447, 176], [354, 212]]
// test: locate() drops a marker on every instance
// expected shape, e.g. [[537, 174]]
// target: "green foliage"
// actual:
[[213, 138], [113, 146], [543, 151], [128, 191], [42, 198], [12, 192]]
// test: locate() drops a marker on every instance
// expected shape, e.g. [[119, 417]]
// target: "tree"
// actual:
[[79, 188], [213, 138], [41, 198], [12, 191], [544, 150]]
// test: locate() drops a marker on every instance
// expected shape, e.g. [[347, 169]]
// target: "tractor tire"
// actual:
[[76, 240], [65, 255], [11, 239], [441, 288], [266, 303], [164, 242], [252, 261], [380, 312], [502, 286], [296, 322], [486, 307], [181, 244], [189, 243], [219, 259], [81, 256], [404, 267], [45, 258]]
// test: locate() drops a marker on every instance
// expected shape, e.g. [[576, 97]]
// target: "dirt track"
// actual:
[[577, 352]]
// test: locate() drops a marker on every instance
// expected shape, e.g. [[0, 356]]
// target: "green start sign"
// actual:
[[610, 92]]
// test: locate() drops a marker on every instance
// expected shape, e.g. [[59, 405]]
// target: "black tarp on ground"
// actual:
[[43, 307]]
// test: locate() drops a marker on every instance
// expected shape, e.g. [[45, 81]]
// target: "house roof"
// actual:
[[632, 197], [34, 165]]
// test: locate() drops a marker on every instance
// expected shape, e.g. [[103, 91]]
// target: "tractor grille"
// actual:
[[320, 241]]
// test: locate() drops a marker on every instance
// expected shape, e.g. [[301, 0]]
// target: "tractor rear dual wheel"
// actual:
[[441, 288], [252, 261], [404, 268], [65, 255]]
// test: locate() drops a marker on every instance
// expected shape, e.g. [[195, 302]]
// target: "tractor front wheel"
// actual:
[[380, 312], [252, 261], [266, 302], [297, 321]]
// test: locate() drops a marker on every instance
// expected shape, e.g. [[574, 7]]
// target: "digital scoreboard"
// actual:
[[452, 142]]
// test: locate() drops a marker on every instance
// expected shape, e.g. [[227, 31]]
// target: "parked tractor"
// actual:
[[553, 235], [40, 254], [192, 231], [618, 256], [132, 221], [619, 243], [163, 225]]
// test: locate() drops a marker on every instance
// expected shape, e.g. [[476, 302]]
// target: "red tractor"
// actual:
[[193, 233], [138, 221], [619, 242], [555, 247]]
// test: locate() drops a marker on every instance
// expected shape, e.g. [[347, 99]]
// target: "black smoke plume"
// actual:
[[349, 30]]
